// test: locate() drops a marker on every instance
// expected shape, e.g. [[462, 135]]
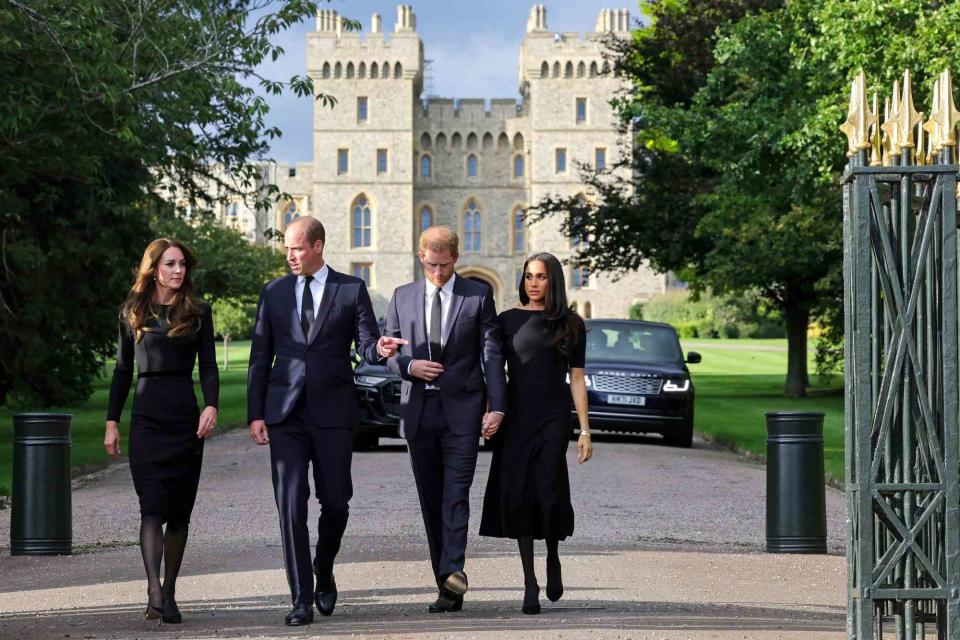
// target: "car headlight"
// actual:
[[368, 381], [676, 386]]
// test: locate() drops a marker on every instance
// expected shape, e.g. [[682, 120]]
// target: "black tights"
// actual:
[[157, 545], [526, 556]]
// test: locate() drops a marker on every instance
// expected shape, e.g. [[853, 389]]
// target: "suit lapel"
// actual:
[[420, 307], [289, 293], [455, 303], [329, 293]]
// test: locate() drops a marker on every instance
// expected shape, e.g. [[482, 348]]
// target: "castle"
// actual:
[[387, 164]]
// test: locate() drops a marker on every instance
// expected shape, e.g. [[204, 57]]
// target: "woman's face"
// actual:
[[535, 281], [172, 269]]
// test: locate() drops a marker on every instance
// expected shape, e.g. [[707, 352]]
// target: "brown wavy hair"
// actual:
[[184, 313], [564, 326]]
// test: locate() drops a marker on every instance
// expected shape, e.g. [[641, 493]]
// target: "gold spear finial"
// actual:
[[907, 117], [919, 156], [858, 122], [948, 114], [877, 156], [932, 126], [891, 125]]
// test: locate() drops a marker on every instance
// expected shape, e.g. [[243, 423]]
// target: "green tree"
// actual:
[[103, 105], [232, 319]]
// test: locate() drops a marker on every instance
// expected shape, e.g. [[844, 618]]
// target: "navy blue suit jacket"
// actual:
[[472, 355], [284, 363]]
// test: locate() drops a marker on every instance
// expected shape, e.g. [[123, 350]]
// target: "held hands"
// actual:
[[425, 369], [584, 447], [491, 423], [387, 346], [258, 432], [208, 420], [111, 439]]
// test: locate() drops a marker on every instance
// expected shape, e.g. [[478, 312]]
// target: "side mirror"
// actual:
[[693, 357]]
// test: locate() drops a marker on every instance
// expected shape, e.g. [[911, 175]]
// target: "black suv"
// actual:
[[638, 381], [379, 391]]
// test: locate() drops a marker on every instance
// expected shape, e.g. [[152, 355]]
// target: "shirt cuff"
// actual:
[[410, 364], [500, 412]]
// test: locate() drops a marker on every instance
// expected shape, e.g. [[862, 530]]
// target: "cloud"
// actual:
[[482, 66]]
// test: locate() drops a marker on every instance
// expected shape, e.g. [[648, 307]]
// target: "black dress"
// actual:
[[528, 492], [165, 452]]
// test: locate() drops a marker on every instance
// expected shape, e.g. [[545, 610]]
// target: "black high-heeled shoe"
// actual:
[[554, 579], [153, 613], [171, 612], [531, 598]]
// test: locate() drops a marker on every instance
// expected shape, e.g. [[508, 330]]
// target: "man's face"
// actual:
[[302, 258], [438, 266]]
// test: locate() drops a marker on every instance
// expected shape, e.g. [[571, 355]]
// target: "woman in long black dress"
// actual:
[[528, 492], [163, 331]]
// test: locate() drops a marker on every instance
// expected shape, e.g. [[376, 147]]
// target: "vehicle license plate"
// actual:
[[634, 400]]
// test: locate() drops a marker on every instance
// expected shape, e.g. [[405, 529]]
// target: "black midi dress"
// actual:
[[165, 452], [528, 491]]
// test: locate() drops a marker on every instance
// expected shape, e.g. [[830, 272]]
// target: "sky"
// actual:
[[474, 45]]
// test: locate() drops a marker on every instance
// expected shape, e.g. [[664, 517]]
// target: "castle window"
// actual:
[[292, 172], [487, 141], [362, 270], [456, 140], [338, 70], [472, 166], [233, 210], [349, 70], [561, 160], [580, 278], [343, 161], [556, 69], [587, 310], [326, 69], [361, 110], [291, 214], [581, 110], [381, 161], [519, 232], [425, 141], [362, 71], [472, 223], [397, 71], [386, 71], [472, 141], [581, 69], [593, 69], [568, 70], [426, 165], [361, 226], [600, 158], [426, 218], [518, 142], [374, 71], [503, 142], [518, 166], [606, 67], [545, 70]]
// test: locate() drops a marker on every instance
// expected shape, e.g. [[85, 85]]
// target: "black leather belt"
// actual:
[[165, 374], [431, 393]]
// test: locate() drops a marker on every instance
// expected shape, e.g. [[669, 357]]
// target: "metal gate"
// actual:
[[901, 351]]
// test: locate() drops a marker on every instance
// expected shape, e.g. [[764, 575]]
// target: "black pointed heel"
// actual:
[[554, 579], [171, 613], [531, 598], [153, 613]]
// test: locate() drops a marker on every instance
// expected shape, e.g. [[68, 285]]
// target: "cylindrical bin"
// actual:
[[796, 499], [41, 518]]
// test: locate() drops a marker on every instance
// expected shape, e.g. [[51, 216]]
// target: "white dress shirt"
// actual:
[[446, 297], [316, 288]]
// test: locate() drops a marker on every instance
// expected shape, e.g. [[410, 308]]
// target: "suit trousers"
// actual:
[[443, 468], [295, 444]]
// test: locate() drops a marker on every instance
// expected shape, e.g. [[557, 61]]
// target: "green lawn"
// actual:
[[88, 418], [740, 380], [737, 383]]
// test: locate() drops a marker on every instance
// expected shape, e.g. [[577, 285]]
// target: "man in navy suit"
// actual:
[[301, 400], [453, 390]]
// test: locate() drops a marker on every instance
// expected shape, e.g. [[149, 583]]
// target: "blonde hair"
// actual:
[[183, 314], [440, 239]]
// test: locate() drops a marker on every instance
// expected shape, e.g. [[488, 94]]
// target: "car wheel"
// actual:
[[365, 442], [681, 438]]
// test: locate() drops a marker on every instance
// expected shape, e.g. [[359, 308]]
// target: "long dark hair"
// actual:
[[566, 328], [183, 314]]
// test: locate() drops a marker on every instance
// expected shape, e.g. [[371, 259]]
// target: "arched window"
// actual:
[[518, 142], [556, 69], [362, 71], [568, 70], [441, 141], [581, 69], [349, 70], [326, 69], [593, 69], [425, 141], [606, 67], [456, 140], [472, 166], [426, 218], [472, 223], [338, 70], [503, 141], [386, 71], [374, 71], [545, 70], [519, 232], [397, 71], [587, 310], [518, 166], [426, 166], [472, 141], [291, 214], [487, 141], [361, 223]]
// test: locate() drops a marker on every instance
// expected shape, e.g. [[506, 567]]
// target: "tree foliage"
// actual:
[[103, 105], [232, 319]]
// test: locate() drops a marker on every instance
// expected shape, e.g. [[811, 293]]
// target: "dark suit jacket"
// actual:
[[472, 355], [284, 363]]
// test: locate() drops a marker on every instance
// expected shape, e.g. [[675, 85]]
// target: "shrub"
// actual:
[[710, 316]]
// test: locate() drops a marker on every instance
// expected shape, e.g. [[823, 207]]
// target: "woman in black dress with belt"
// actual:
[[163, 330], [528, 492]]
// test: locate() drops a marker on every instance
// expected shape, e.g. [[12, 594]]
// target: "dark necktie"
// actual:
[[306, 307], [436, 313]]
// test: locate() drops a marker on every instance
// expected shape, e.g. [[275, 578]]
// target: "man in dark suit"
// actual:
[[301, 400], [453, 390]]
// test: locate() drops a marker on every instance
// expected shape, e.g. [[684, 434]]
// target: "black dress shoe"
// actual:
[[327, 598], [302, 614], [554, 579], [456, 583], [171, 612], [446, 603], [531, 598]]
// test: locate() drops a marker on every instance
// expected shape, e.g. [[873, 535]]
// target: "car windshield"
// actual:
[[626, 342]]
